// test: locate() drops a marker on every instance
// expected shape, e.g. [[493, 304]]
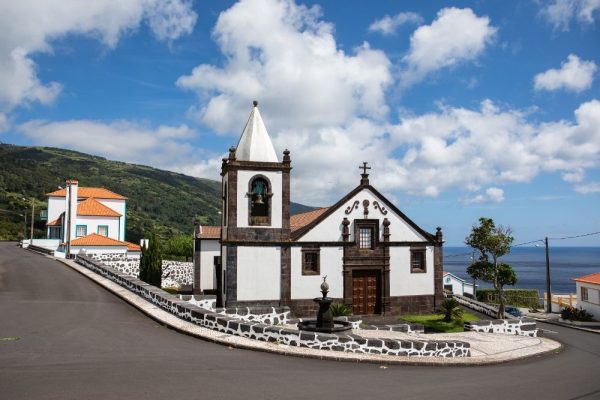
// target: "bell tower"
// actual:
[[256, 209]]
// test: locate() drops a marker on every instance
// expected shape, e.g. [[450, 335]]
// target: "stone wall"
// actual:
[[509, 326], [521, 327], [174, 273], [269, 333], [483, 308]]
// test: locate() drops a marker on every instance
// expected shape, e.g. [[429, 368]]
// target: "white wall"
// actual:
[[209, 249], [99, 249], [92, 225], [56, 206], [458, 286], [258, 273], [308, 286], [592, 304], [331, 228], [242, 200], [120, 207], [405, 283]]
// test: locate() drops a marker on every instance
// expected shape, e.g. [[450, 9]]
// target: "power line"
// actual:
[[574, 237]]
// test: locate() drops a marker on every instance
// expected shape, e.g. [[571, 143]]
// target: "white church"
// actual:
[[376, 259]]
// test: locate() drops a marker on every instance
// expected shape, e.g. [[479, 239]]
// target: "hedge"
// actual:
[[514, 297]]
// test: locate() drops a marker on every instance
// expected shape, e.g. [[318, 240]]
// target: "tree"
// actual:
[[451, 309], [492, 243], [179, 246], [151, 263]]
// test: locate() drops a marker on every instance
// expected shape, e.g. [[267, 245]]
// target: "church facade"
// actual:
[[377, 261]]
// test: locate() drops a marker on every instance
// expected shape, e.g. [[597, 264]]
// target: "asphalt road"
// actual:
[[78, 341]]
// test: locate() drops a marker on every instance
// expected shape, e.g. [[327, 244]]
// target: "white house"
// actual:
[[456, 285], [88, 218], [588, 293], [375, 258]]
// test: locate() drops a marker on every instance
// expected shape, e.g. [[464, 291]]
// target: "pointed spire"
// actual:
[[255, 143]]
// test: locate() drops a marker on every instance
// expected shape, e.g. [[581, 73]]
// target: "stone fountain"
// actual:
[[324, 322]]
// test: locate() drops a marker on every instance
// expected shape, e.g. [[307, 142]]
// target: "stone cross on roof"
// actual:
[[364, 176]]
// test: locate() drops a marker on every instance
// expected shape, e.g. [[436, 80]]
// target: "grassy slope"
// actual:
[[161, 200], [165, 201]]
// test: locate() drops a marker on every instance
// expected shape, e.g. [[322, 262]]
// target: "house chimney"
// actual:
[[70, 210]]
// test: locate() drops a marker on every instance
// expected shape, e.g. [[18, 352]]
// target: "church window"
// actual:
[[365, 240], [260, 201], [417, 261], [311, 261]]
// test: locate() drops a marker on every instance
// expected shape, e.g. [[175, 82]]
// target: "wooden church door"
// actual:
[[365, 292]]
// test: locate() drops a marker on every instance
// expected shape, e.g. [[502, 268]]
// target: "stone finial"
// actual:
[[286, 156], [324, 287], [345, 229], [255, 103], [439, 236], [232, 153]]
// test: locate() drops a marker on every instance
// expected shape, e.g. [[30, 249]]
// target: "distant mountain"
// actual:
[[161, 200]]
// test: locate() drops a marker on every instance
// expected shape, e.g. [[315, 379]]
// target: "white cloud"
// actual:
[[592, 187], [455, 37], [574, 176], [292, 65], [388, 26], [560, 13], [491, 195], [165, 146], [574, 74], [30, 26]]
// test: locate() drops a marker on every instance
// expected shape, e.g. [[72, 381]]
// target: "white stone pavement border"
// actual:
[[486, 348]]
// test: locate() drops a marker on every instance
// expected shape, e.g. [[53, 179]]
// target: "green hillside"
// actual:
[[159, 200]]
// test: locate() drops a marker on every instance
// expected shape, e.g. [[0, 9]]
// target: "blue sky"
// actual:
[[463, 109]]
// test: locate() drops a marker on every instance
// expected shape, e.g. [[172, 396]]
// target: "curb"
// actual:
[[579, 328], [172, 322]]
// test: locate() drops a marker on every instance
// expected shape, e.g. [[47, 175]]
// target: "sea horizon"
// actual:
[[566, 263]]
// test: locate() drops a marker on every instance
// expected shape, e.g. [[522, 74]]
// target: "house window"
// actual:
[[80, 230], [55, 232], [310, 261], [365, 238], [103, 230], [260, 201], [417, 261], [584, 294]]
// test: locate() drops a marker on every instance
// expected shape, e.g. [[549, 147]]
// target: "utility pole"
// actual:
[[32, 219], [548, 293]]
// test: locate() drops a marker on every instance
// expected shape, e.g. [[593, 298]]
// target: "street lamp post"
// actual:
[[32, 219]]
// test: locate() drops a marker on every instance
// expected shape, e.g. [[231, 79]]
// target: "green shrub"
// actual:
[[576, 314], [451, 310], [340, 310], [517, 297]]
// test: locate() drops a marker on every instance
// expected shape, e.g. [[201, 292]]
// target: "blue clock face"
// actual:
[[448, 280]]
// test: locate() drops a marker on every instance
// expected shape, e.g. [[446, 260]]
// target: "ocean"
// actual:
[[529, 263]]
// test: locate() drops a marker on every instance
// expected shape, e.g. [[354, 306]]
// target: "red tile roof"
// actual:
[[85, 192], [300, 220], [591, 278], [93, 207], [98, 240], [210, 232], [133, 246], [56, 222]]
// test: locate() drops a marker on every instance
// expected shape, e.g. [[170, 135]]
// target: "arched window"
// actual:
[[260, 201]]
